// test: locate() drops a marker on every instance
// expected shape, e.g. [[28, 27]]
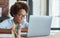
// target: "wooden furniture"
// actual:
[[5, 31], [56, 35], [8, 31], [24, 29]]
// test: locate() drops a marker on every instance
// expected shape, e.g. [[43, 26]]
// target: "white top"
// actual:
[[9, 22]]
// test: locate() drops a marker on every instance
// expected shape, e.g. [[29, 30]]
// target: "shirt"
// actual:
[[10, 22]]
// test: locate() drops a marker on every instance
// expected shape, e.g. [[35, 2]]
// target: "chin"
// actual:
[[19, 22]]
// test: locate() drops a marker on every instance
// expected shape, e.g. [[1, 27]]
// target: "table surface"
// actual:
[[52, 35], [8, 31], [55, 35]]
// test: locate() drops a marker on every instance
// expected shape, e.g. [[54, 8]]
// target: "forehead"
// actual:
[[22, 11]]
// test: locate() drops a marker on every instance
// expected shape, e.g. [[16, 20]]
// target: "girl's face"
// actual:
[[19, 17]]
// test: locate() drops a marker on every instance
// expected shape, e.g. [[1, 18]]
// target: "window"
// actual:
[[48, 7], [54, 12]]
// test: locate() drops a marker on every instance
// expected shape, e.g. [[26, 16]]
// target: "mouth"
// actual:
[[19, 21]]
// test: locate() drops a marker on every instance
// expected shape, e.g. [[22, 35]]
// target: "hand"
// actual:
[[18, 36], [13, 29]]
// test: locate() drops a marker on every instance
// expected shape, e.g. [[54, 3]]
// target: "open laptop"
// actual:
[[39, 25]]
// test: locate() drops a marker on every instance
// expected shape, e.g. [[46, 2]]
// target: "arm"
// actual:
[[17, 35], [13, 29], [25, 27], [24, 30]]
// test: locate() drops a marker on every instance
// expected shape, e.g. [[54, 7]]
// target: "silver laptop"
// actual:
[[39, 25]]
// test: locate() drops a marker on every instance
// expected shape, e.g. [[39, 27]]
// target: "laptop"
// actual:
[[39, 26]]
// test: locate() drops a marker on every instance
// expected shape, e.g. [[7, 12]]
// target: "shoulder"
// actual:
[[24, 24], [4, 21], [5, 24]]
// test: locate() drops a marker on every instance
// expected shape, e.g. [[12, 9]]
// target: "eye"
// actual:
[[23, 15]]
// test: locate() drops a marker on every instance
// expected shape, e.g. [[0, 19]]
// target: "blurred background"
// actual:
[[37, 7]]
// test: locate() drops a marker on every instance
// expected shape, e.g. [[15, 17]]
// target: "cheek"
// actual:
[[19, 19]]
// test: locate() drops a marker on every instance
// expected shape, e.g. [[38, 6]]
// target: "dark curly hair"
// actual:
[[17, 6]]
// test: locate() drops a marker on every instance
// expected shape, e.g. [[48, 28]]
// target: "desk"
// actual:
[[24, 29], [56, 35], [8, 31]]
